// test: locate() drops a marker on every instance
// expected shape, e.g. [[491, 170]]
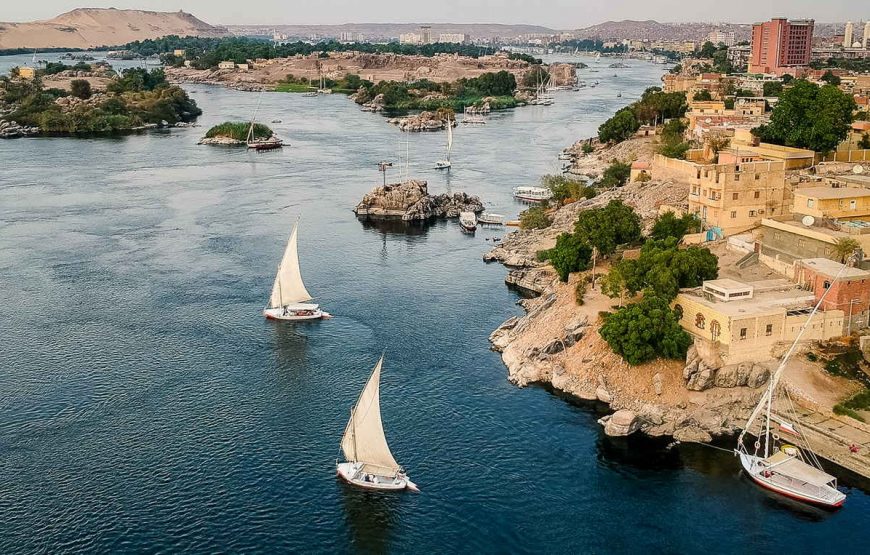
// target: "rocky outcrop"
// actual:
[[411, 202], [12, 130], [702, 373], [562, 74], [621, 423], [424, 121]]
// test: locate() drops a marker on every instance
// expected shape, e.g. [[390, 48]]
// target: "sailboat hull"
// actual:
[[823, 497], [352, 474], [442, 165], [295, 314]]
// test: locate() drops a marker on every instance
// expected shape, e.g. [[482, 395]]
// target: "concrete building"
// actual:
[[850, 292], [849, 35], [25, 72], [227, 65], [460, 38], [781, 46], [747, 321], [410, 38], [718, 37], [425, 34], [738, 56], [179, 52], [866, 41]]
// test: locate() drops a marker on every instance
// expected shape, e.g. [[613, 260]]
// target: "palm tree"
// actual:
[[845, 247]]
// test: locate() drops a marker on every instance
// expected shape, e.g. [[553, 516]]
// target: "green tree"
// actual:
[[569, 255], [645, 330], [620, 127], [845, 247], [664, 269], [787, 78], [809, 116], [772, 88], [671, 143], [702, 96], [615, 175], [708, 49], [865, 141], [831, 79], [535, 76], [669, 225], [80, 89], [535, 217], [608, 227]]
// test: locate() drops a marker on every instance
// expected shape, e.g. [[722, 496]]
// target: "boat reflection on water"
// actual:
[[371, 517], [290, 346]]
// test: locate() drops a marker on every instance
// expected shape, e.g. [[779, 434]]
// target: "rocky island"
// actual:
[[236, 133], [411, 202]]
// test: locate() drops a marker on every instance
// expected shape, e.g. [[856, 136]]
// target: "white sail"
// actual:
[[364, 440], [449, 138], [288, 287]]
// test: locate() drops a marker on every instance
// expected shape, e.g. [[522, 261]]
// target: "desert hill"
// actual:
[[92, 27]]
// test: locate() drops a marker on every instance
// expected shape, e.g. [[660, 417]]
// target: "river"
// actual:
[[146, 405]]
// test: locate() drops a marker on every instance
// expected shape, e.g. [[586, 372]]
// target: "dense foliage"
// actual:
[[608, 227], [238, 131], [615, 175], [566, 189], [645, 330], [571, 254], [206, 53], [654, 106], [809, 116], [428, 95], [671, 140], [702, 96], [535, 217], [137, 98], [669, 225]]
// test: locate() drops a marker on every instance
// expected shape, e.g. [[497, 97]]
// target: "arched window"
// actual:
[[679, 311], [699, 321], [715, 330]]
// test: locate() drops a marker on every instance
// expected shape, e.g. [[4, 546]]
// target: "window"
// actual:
[[715, 330], [757, 177], [752, 213], [735, 196], [811, 203], [733, 214], [757, 194], [768, 330], [827, 284], [853, 204], [699, 321], [736, 177], [742, 334]]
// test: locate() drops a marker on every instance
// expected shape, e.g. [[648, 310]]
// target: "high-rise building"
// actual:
[[780, 46], [720, 37], [849, 35], [867, 35], [426, 34]]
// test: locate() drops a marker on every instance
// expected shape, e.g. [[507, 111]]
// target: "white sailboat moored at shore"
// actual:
[[369, 463], [445, 164], [289, 299], [781, 460]]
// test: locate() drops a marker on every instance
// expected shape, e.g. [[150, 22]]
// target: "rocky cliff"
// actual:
[[411, 202]]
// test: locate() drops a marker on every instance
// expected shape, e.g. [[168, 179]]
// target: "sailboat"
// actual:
[[445, 164], [261, 144], [289, 296], [779, 464], [369, 463]]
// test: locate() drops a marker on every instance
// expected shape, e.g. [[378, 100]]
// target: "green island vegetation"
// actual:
[[647, 328], [497, 88], [132, 100], [654, 106], [809, 116], [238, 131], [207, 53], [20, 51]]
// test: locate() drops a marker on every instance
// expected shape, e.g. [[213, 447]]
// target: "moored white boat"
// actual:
[[468, 221], [445, 164], [532, 194], [289, 299], [369, 463], [781, 464], [488, 218]]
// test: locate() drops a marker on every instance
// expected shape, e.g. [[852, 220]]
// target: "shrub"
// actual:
[[570, 254], [642, 177], [607, 227], [865, 141], [564, 188], [616, 175], [80, 89], [668, 225], [812, 357], [535, 217], [588, 148], [702, 96], [580, 291], [645, 330], [663, 269]]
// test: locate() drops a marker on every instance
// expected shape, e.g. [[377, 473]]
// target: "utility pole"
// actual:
[[382, 167]]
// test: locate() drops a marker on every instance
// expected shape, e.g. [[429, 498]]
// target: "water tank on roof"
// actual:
[[808, 221]]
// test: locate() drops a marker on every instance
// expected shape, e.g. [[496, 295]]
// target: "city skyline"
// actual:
[[558, 14]]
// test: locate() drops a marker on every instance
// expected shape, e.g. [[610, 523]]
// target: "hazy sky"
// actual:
[[561, 14]]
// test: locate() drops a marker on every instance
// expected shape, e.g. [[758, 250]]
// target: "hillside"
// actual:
[[653, 30], [372, 31], [93, 27]]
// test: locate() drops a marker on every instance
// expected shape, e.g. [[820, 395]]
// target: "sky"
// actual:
[[558, 14]]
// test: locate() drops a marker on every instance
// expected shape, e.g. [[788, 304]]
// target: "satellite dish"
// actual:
[[858, 169], [808, 221], [709, 120]]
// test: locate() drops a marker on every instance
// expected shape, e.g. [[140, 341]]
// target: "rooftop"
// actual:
[[771, 297], [831, 269], [832, 192]]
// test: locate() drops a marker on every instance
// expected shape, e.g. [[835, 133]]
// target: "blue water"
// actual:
[[146, 405]]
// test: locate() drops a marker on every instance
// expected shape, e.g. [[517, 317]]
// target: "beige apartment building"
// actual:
[[752, 321]]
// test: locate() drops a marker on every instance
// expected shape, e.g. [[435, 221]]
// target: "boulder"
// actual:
[[703, 379], [603, 395], [726, 376], [621, 423], [692, 434], [743, 371], [758, 376], [657, 383]]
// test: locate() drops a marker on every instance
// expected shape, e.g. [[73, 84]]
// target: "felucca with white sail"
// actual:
[[289, 299], [781, 459], [445, 164], [369, 463]]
